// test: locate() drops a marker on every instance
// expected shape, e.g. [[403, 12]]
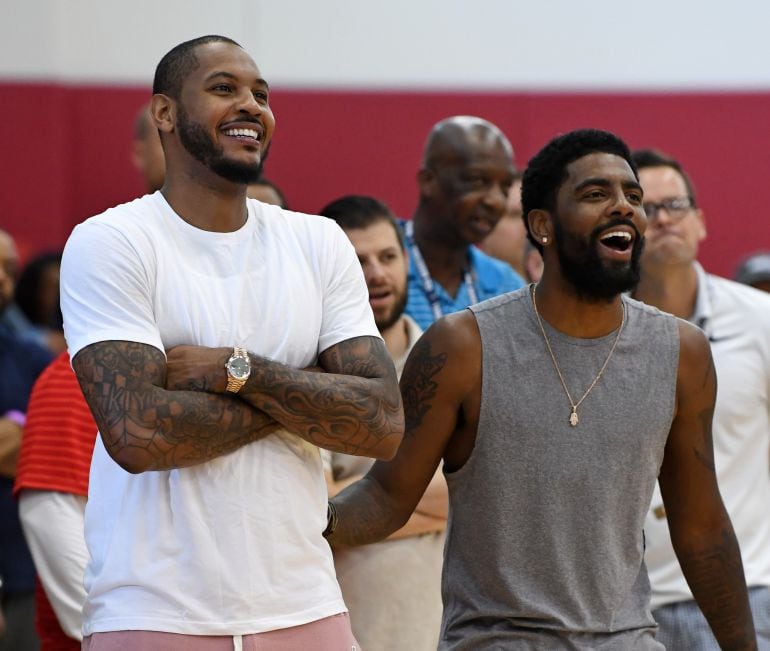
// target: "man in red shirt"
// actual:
[[52, 485]]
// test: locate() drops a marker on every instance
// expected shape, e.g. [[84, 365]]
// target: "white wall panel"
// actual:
[[495, 44]]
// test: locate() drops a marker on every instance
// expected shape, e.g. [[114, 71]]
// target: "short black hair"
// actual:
[[179, 62], [356, 211], [27, 293], [654, 158], [547, 170], [265, 182]]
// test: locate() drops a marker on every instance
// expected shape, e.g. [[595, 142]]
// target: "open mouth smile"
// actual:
[[251, 135], [617, 243], [617, 240]]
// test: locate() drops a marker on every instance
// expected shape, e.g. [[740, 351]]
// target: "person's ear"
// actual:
[[427, 182], [541, 226], [163, 113]]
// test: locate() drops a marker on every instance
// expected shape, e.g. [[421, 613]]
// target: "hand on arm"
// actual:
[[440, 373], [701, 531], [353, 407], [145, 426]]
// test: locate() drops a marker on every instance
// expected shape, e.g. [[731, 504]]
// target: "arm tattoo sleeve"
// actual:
[[715, 575], [145, 427], [355, 407], [418, 387]]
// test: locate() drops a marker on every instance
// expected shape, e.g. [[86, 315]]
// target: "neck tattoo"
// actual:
[[573, 417]]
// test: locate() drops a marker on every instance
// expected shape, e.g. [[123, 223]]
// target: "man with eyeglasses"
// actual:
[[736, 320]]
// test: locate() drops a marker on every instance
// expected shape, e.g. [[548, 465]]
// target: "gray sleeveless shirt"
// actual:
[[544, 542]]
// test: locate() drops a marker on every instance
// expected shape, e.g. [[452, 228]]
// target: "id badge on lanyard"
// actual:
[[428, 286]]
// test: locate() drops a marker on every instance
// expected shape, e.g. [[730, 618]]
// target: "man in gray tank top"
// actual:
[[555, 408]]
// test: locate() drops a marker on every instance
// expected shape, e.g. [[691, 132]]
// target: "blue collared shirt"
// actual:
[[490, 277]]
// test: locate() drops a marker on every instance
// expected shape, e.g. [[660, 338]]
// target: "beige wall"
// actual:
[[439, 44]]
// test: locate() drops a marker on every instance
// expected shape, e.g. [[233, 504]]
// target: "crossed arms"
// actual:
[[158, 415]]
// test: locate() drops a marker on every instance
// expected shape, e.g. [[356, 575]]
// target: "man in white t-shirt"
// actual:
[[736, 320], [219, 341]]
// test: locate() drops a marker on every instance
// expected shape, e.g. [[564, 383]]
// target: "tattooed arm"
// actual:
[[354, 407], [429, 516], [147, 427], [439, 387], [701, 531]]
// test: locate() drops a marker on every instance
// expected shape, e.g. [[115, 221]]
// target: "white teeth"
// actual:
[[248, 133], [624, 234]]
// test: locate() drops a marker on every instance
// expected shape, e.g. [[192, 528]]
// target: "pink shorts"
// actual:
[[328, 634]]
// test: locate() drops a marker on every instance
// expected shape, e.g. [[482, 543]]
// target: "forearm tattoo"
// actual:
[[149, 428], [353, 408], [715, 575], [418, 387]]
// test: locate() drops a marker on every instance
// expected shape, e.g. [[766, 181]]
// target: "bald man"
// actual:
[[464, 180]]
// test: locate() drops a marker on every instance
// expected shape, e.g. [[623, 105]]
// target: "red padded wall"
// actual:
[[67, 149]]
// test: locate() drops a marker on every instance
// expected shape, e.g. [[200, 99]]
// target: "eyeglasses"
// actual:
[[676, 208]]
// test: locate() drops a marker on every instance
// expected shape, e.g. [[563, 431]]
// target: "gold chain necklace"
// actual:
[[573, 417]]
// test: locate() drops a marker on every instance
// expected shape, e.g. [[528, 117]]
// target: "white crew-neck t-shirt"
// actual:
[[230, 546]]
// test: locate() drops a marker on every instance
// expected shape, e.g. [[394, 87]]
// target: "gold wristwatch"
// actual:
[[238, 369]]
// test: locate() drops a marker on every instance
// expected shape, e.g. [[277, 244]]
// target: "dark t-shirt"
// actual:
[[21, 362]]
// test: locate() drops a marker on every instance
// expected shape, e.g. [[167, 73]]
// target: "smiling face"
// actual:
[[673, 235], [385, 267], [223, 116], [467, 183], [598, 226]]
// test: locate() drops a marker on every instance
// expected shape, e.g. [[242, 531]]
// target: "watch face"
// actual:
[[239, 368]]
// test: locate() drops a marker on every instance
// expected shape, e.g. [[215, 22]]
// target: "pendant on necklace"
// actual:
[[573, 417]]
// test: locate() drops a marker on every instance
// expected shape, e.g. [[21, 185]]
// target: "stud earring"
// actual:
[[545, 239]]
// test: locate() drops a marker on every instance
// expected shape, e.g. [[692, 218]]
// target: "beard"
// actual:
[[593, 279], [203, 149], [394, 315]]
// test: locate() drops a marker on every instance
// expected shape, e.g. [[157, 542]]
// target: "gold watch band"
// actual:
[[234, 384]]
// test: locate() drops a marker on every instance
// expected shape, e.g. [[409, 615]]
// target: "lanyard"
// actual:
[[428, 286]]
